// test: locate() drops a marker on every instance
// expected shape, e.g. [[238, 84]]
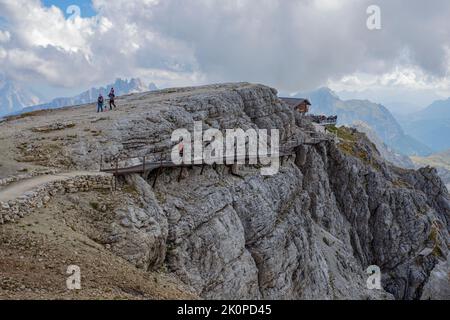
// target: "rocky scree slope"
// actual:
[[308, 232]]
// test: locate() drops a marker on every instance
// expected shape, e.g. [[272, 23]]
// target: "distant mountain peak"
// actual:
[[376, 116], [126, 86], [14, 97], [327, 91], [121, 87], [152, 87], [431, 125]]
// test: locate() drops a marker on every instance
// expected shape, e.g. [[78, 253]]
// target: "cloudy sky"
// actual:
[[293, 45]]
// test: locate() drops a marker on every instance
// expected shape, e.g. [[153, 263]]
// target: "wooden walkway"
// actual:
[[146, 166]]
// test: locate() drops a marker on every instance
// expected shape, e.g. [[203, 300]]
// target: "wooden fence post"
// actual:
[[156, 177], [179, 176]]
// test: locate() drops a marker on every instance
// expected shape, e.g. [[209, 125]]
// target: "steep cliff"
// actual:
[[308, 232]]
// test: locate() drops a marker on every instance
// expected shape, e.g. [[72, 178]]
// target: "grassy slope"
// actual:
[[435, 160]]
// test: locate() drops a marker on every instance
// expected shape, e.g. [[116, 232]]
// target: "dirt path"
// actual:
[[18, 188], [37, 250]]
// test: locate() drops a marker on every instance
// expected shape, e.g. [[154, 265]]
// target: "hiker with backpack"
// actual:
[[111, 96], [100, 103]]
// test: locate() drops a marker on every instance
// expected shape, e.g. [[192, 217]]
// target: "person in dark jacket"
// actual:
[[100, 103], [111, 96]]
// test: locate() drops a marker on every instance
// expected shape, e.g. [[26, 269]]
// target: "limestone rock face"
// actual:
[[308, 232], [438, 284], [139, 233]]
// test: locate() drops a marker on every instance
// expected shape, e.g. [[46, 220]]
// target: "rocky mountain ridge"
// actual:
[[380, 120], [120, 86], [13, 97], [385, 151], [308, 232], [440, 161], [430, 125]]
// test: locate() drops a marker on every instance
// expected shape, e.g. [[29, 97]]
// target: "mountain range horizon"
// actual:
[[412, 134], [15, 99], [396, 102]]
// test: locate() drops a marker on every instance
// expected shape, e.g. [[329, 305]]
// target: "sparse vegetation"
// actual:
[[343, 132], [94, 205], [349, 144], [435, 160], [434, 237], [53, 127], [127, 188], [399, 183], [161, 197], [27, 114]]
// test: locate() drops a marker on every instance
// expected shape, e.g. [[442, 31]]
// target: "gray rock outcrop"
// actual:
[[308, 232]]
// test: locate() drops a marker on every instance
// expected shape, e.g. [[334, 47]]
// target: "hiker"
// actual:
[[111, 96], [100, 103]]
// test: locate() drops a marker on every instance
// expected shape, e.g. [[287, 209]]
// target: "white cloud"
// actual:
[[400, 78], [331, 4], [289, 44], [3, 53], [35, 25], [4, 36]]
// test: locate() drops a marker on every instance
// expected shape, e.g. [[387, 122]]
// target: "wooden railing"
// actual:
[[144, 163]]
